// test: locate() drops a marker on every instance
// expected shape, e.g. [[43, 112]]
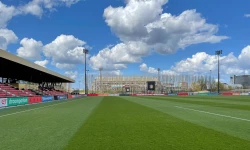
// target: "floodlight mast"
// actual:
[[85, 51], [87, 80], [159, 81], [218, 53], [210, 81], [100, 69]]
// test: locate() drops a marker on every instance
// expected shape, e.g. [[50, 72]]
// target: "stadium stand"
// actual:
[[9, 91], [14, 69], [75, 92], [52, 92]]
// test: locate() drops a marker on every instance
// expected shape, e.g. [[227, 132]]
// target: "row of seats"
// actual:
[[53, 92], [8, 91]]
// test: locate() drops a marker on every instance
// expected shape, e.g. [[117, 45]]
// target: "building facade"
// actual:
[[243, 80], [138, 84], [117, 84]]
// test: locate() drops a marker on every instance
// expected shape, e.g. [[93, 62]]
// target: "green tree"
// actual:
[[195, 87], [200, 85], [213, 86], [221, 85]]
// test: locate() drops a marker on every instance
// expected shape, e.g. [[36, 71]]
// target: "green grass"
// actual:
[[33, 106], [233, 127], [200, 100], [45, 128], [128, 123]]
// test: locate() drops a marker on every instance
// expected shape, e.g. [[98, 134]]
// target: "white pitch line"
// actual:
[[34, 109], [25, 105], [213, 113]]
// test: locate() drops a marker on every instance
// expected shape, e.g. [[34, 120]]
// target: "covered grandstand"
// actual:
[[138, 84], [15, 70]]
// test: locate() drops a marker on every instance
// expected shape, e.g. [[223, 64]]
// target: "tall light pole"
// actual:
[[92, 83], [101, 69], [159, 89], [210, 82], [218, 53], [85, 51], [95, 86], [87, 80], [172, 85]]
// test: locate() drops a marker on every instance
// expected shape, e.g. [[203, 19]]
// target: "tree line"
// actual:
[[202, 85]]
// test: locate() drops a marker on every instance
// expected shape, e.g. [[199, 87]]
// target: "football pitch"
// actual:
[[188, 123]]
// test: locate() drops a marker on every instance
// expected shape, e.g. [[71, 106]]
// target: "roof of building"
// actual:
[[14, 67]]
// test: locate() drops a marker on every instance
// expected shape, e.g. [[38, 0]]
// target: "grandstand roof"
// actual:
[[14, 67]]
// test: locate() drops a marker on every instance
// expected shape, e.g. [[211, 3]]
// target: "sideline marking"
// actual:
[[27, 105], [34, 109], [213, 113]]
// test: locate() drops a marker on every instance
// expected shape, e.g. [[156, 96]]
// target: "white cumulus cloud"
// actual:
[[31, 49], [145, 68], [112, 73], [65, 51], [119, 56], [144, 21], [98, 61], [65, 66], [71, 74], [170, 33], [244, 57], [169, 72], [247, 15], [7, 37], [6, 13], [36, 7], [202, 63], [144, 24], [42, 63], [129, 22]]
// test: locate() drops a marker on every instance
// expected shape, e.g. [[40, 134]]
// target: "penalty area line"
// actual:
[[205, 112]]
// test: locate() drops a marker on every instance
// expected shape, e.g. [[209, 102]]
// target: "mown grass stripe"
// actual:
[[14, 109], [223, 100], [233, 127], [121, 124], [47, 128], [214, 104], [218, 98], [213, 113], [32, 109]]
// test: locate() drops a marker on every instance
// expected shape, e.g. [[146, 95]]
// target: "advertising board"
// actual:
[[172, 94], [213, 94], [182, 94], [14, 101], [3, 102], [244, 94], [151, 85], [35, 99], [47, 98], [60, 97]]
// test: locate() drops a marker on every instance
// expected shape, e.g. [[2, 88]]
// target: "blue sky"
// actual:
[[133, 37]]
